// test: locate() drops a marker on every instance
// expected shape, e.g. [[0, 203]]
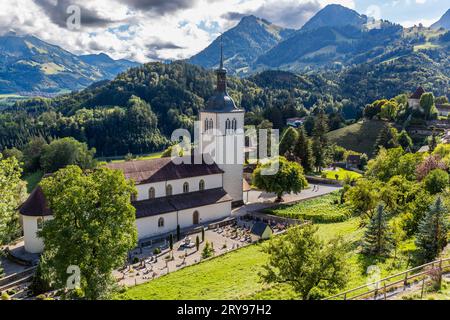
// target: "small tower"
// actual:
[[223, 123]]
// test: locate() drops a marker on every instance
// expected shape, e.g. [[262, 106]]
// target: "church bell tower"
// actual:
[[222, 129]]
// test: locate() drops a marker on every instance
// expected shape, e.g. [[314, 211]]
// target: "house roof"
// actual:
[[418, 93], [164, 169], [35, 205], [259, 228], [353, 158], [152, 207], [443, 107]]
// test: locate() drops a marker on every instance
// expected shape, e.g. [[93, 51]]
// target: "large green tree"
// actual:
[[378, 237], [303, 150], [93, 227], [12, 192], [67, 151], [320, 140], [428, 106], [288, 141], [280, 176], [300, 258], [432, 234]]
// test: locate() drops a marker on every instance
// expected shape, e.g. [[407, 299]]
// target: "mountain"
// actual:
[[335, 15], [28, 64], [242, 44], [444, 22], [108, 65]]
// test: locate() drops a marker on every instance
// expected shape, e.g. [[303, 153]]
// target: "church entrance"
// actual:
[[196, 218]]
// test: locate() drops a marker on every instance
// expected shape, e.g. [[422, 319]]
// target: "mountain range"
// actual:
[[28, 64], [335, 37], [444, 22]]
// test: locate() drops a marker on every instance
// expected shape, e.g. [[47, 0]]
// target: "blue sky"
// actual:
[[148, 30]]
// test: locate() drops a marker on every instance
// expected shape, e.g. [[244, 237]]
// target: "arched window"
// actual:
[[169, 190], [161, 223], [234, 124], [206, 125], [151, 193], [133, 197], [211, 124], [201, 185], [40, 223], [227, 125], [196, 218], [186, 187]]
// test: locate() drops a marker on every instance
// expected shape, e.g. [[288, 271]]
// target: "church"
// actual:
[[171, 195]]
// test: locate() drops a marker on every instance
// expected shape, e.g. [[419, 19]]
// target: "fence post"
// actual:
[[423, 288], [345, 296], [405, 282], [440, 273], [385, 293]]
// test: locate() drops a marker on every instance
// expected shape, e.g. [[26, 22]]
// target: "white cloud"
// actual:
[[145, 30]]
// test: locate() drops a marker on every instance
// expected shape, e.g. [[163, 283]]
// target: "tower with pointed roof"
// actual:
[[222, 127]]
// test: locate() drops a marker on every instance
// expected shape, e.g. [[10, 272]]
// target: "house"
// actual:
[[414, 99], [443, 109], [261, 231], [295, 122], [353, 161], [172, 194]]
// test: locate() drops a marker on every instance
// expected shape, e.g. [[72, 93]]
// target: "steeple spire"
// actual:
[[221, 72]]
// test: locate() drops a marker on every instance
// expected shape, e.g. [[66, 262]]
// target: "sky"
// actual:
[[149, 30]]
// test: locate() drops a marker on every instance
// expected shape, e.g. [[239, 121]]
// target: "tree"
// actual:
[[387, 138], [432, 233], [303, 260], [427, 105], [93, 227], [12, 192], [378, 237], [436, 181], [67, 151], [288, 141], [303, 150], [203, 234], [32, 154], [13, 152], [171, 242], [287, 178], [197, 243], [320, 141], [363, 197], [429, 164], [405, 140]]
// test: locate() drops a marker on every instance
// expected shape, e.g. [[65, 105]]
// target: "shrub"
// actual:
[[157, 251], [5, 296]]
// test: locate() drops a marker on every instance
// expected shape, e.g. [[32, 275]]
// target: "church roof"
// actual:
[[419, 92], [163, 169], [35, 205], [157, 206]]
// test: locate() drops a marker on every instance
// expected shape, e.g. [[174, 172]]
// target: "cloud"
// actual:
[[160, 6]]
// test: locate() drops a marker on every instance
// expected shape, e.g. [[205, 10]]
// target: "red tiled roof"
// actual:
[[163, 169]]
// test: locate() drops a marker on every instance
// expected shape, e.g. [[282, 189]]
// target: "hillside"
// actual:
[[28, 64], [359, 137], [242, 45], [443, 22]]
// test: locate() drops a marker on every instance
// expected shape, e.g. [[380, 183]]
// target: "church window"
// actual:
[[227, 125], [169, 190], [206, 125], [201, 185], [234, 125], [196, 218], [151, 193], [186, 187], [211, 124], [161, 223]]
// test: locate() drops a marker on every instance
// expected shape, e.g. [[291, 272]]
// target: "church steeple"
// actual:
[[221, 72]]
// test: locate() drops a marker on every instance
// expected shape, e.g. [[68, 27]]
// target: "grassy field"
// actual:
[[359, 137], [235, 275], [319, 210], [154, 155], [342, 174], [33, 180]]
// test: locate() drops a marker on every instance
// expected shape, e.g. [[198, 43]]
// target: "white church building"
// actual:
[[169, 194]]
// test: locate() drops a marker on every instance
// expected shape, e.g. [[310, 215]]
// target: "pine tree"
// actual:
[[288, 141], [432, 233], [320, 141], [303, 150], [377, 239], [388, 138]]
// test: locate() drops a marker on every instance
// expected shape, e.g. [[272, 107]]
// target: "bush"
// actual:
[[136, 260], [436, 181], [5, 296], [157, 251], [208, 251]]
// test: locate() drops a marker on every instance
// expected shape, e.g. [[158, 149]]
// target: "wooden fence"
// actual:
[[396, 283]]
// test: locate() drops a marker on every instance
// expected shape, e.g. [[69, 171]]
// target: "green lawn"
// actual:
[[33, 180], [320, 210], [359, 137], [342, 174], [235, 275]]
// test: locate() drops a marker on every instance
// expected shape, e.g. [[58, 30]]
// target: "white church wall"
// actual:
[[33, 243], [211, 182], [206, 214], [148, 227]]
